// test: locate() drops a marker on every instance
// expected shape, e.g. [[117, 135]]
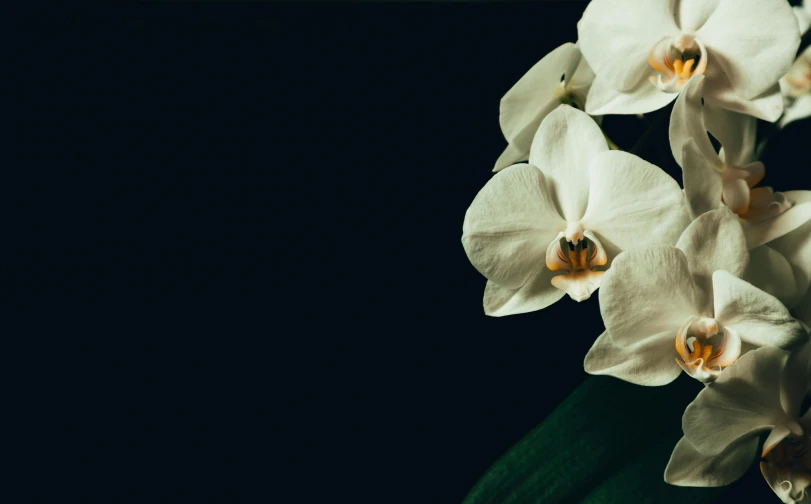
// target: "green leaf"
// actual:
[[604, 425], [641, 481]]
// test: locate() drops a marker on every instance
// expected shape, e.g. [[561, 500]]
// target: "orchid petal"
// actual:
[[753, 41], [647, 291], [795, 246], [512, 155], [689, 467], [563, 148], [770, 271], [778, 434], [790, 485], [692, 14], [687, 121], [633, 203], [640, 99], [714, 241], [741, 403], [509, 225], [759, 318], [536, 294], [649, 361], [767, 230], [615, 37], [768, 105], [580, 82], [702, 183], [529, 101], [736, 132]]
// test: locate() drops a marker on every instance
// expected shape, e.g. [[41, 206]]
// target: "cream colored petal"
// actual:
[[581, 80], [702, 182], [743, 402], [736, 132], [714, 241], [718, 91], [687, 122], [633, 203], [650, 361], [692, 14], [509, 226], [770, 271], [563, 148], [641, 99], [778, 434], [767, 230], [758, 317], [689, 467], [796, 248], [755, 172], [536, 294], [753, 41], [512, 154], [579, 285]]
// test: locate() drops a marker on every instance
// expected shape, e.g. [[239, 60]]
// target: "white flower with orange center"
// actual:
[[541, 230], [668, 309], [761, 393], [561, 77], [643, 53]]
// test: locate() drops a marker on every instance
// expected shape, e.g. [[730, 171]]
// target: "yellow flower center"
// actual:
[[695, 341], [676, 61], [577, 252]]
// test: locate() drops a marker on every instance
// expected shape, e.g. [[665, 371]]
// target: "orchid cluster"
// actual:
[[709, 277]]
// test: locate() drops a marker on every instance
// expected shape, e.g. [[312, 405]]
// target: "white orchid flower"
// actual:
[[727, 178], [644, 52], [796, 89], [668, 309], [562, 76], [540, 230], [762, 392]]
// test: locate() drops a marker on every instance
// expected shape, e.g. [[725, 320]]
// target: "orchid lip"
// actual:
[[577, 252], [694, 343], [786, 465], [676, 59]]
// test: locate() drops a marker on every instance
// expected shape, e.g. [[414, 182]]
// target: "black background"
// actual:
[[288, 296]]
